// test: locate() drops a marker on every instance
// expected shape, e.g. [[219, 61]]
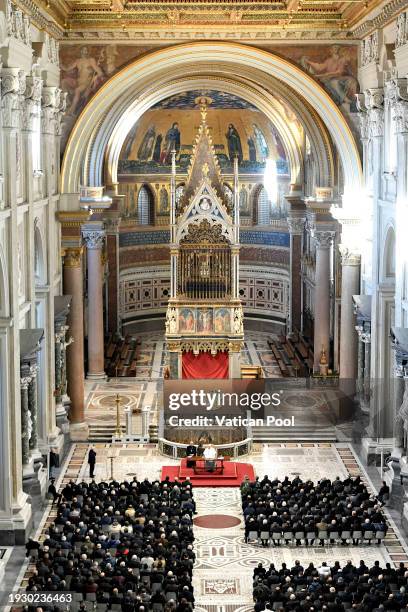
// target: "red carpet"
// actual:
[[234, 474]]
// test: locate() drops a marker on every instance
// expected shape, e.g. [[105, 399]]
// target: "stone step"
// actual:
[[101, 432], [301, 433]]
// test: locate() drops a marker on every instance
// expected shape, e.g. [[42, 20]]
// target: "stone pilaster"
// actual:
[[73, 285], [350, 284]]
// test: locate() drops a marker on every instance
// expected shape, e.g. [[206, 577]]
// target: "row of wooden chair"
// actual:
[[294, 355], [121, 356], [310, 537]]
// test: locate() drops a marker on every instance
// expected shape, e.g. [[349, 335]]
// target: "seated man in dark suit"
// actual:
[[191, 451]]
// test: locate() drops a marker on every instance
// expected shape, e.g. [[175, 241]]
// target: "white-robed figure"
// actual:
[[210, 455]]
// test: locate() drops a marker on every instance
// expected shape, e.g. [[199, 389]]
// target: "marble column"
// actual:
[[94, 240], [322, 296], [235, 272], [350, 285], [73, 285], [174, 256], [112, 224], [296, 227], [25, 419]]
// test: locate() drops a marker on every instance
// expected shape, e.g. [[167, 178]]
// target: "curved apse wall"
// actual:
[[144, 281]]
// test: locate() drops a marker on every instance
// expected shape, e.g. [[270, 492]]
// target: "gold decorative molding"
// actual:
[[73, 257], [73, 218]]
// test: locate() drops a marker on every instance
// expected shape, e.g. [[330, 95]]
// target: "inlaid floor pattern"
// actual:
[[224, 564]]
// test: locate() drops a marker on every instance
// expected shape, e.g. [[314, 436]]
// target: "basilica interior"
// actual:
[[209, 191]]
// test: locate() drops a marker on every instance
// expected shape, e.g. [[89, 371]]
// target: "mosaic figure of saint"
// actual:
[[171, 142], [251, 149], [164, 201], [234, 143], [261, 146], [146, 146], [157, 148]]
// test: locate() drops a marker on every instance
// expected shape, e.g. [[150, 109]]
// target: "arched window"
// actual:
[[263, 207], [145, 206]]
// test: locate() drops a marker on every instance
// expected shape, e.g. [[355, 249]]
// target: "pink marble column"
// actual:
[[73, 285], [350, 285], [322, 296], [94, 240]]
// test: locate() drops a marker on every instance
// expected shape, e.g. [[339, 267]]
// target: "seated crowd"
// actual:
[[123, 546], [330, 589], [293, 511]]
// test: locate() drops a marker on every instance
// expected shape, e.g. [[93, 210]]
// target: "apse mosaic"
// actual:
[[237, 129]]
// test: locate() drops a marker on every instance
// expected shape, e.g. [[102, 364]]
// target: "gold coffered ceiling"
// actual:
[[335, 19]]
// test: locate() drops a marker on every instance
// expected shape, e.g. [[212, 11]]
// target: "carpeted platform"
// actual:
[[234, 474]]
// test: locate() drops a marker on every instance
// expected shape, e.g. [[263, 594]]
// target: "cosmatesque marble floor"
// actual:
[[224, 565]]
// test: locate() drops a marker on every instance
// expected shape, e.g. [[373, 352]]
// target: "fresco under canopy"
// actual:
[[237, 129]]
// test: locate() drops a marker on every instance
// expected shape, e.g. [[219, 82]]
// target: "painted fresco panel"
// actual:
[[187, 320], [222, 320], [85, 68]]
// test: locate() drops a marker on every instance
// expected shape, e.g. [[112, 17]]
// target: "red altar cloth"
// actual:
[[205, 365]]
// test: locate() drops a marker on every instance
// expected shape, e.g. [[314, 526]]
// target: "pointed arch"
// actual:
[[145, 206]]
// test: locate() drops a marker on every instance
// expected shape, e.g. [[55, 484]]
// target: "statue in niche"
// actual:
[[171, 321], [238, 322], [243, 201], [163, 201]]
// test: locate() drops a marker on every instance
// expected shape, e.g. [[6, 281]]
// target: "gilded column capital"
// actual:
[[73, 257]]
